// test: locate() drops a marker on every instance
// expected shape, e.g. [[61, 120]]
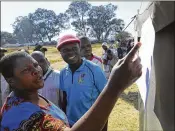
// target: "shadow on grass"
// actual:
[[131, 98]]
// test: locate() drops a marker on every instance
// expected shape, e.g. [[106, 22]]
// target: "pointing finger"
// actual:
[[133, 52]]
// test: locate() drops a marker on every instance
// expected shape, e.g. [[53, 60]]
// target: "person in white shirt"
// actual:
[[104, 47], [109, 61], [51, 80], [106, 62], [4, 89], [86, 51]]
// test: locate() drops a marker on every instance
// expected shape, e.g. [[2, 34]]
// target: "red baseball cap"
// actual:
[[67, 39]]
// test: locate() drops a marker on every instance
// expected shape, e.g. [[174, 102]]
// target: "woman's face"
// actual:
[[27, 74]]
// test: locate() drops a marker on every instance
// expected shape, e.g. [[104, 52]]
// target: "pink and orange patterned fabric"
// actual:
[[18, 115]]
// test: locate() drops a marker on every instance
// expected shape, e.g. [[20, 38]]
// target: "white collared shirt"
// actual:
[[51, 87], [110, 63]]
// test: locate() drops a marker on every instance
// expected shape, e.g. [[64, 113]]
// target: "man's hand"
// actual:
[[126, 71]]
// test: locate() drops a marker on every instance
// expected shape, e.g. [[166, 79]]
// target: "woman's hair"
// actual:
[[8, 63]]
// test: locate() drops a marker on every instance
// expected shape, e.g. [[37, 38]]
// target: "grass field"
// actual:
[[125, 115]]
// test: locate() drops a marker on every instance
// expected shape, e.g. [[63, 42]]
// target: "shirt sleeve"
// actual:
[[48, 123], [100, 78]]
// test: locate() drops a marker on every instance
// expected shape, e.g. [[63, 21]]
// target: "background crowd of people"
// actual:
[[61, 97]]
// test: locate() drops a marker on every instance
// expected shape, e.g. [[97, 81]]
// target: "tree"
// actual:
[[102, 21], [7, 37], [78, 12], [23, 29], [47, 24]]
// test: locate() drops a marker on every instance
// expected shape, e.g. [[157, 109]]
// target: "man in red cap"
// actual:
[[82, 80]]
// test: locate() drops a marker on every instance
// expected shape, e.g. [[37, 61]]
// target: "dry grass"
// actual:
[[125, 116]]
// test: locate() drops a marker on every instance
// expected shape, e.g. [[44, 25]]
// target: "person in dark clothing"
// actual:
[[120, 53], [40, 48], [130, 45]]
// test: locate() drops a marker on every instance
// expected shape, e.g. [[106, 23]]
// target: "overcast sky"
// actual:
[[11, 10]]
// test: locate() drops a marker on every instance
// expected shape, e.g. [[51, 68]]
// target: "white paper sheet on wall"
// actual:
[[146, 52]]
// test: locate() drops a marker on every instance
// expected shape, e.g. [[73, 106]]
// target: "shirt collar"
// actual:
[[80, 68]]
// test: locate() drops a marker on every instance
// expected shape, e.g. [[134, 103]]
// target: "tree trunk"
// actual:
[[83, 25], [98, 38], [107, 33], [50, 39]]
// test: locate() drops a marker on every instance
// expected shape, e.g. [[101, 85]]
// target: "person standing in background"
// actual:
[[120, 52], [39, 47], [105, 59], [130, 45], [104, 47], [110, 60], [51, 77], [81, 79], [86, 51]]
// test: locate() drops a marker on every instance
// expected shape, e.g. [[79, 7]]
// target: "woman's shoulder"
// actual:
[[15, 107], [15, 113], [12, 102]]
